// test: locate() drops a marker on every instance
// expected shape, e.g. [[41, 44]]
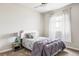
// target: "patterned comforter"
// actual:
[[47, 47]]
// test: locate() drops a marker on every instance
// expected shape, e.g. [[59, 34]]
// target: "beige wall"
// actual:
[[13, 18], [74, 24]]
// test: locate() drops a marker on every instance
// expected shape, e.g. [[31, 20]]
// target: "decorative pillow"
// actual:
[[29, 35]]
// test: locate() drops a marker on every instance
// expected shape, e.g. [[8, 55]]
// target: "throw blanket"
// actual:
[[47, 47]]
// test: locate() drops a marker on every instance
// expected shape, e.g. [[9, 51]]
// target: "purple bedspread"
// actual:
[[47, 47]]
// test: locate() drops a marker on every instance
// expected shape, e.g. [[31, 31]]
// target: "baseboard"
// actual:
[[76, 49], [6, 50]]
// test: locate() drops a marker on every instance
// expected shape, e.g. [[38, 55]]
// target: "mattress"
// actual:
[[28, 43]]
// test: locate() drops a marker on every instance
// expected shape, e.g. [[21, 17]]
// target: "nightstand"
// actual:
[[16, 46]]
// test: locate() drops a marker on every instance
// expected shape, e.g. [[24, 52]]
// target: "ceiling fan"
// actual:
[[41, 5]]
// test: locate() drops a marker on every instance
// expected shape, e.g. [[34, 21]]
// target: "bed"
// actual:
[[42, 46]]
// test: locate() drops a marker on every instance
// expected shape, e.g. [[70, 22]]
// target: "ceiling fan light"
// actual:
[[41, 5]]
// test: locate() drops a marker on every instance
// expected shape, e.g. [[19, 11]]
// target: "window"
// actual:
[[59, 26]]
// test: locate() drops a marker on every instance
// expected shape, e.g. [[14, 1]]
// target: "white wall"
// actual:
[[13, 18], [74, 24]]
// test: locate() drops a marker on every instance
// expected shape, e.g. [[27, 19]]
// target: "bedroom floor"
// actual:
[[25, 52]]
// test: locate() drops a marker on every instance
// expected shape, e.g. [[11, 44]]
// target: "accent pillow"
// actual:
[[29, 35]]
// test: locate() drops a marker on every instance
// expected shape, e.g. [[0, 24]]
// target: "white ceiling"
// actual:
[[47, 7]]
